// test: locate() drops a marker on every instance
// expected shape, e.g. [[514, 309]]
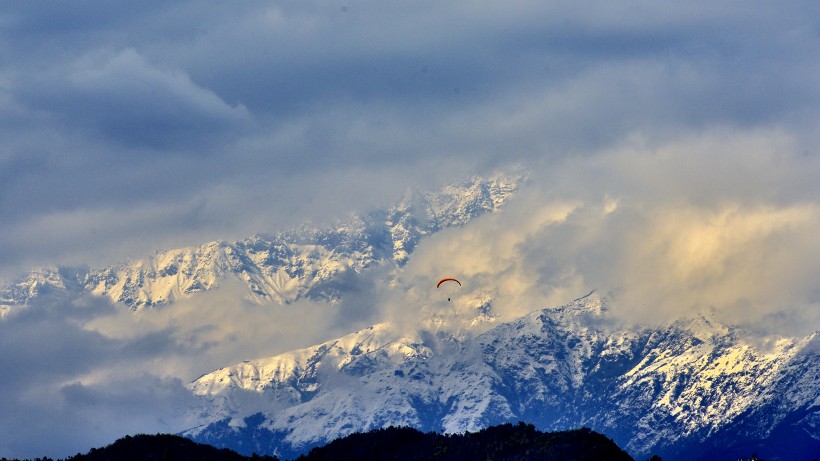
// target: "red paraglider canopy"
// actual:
[[447, 280]]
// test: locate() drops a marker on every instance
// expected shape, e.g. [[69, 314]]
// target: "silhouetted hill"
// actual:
[[501, 443], [506, 442], [162, 447]]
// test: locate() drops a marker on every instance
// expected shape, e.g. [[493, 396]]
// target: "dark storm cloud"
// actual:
[[122, 98]]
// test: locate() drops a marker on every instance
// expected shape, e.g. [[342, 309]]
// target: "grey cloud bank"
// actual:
[[253, 117], [67, 388]]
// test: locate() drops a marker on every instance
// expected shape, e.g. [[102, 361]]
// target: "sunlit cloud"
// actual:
[[685, 236]]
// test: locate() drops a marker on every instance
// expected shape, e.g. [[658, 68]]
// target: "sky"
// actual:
[[672, 150]]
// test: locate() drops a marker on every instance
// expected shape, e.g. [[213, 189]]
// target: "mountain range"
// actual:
[[694, 388], [283, 267]]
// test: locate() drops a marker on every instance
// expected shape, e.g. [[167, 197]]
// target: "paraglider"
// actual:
[[447, 279]]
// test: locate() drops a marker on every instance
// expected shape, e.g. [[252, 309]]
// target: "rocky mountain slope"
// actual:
[[280, 267], [683, 390]]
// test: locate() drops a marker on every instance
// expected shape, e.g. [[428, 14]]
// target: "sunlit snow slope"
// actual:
[[681, 390]]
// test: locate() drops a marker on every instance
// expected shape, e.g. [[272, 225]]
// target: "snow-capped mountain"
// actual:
[[280, 267], [692, 388]]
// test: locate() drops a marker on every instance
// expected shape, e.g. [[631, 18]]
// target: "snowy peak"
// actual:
[[37, 283], [420, 214], [580, 311], [458, 204], [702, 327], [45, 282], [165, 277], [344, 355]]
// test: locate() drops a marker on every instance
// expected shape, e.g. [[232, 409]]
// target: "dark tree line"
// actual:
[[507, 442], [160, 447]]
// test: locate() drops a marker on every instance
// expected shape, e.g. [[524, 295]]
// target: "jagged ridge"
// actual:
[[280, 267], [662, 390]]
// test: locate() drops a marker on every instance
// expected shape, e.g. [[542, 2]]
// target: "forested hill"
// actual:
[[162, 447], [506, 442]]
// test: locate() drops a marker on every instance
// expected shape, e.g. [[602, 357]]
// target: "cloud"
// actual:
[[663, 231], [219, 327], [66, 387], [123, 98], [262, 116], [76, 366], [69, 418]]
